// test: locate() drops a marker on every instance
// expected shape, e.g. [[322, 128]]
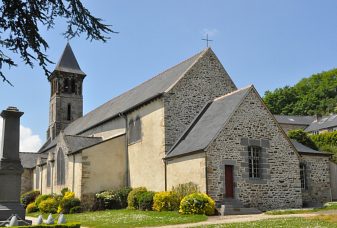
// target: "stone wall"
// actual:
[[318, 180], [27, 180], [205, 80], [253, 125]]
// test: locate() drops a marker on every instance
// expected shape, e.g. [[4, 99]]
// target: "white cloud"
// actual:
[[28, 141], [211, 32]]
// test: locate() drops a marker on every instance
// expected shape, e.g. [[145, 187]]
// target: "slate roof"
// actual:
[[324, 123], [208, 123], [68, 62], [28, 159], [307, 150], [297, 120], [77, 143], [144, 92]]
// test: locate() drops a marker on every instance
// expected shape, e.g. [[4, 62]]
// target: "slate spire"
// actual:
[[68, 62]]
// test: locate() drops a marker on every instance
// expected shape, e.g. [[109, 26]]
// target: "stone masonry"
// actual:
[[318, 181], [253, 125], [206, 80]]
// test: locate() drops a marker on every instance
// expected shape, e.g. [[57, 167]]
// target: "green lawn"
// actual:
[[328, 206], [281, 223], [129, 218]]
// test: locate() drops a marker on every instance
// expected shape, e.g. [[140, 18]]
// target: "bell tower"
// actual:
[[66, 99]]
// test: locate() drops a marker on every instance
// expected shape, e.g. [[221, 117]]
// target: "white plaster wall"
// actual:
[[146, 166], [103, 166], [187, 169]]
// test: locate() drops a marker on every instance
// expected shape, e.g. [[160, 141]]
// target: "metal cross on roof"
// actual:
[[207, 40]]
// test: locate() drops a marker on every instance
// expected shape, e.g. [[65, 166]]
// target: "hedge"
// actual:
[[69, 225]]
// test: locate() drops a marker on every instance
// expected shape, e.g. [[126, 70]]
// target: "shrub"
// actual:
[[107, 200], [112, 199], [68, 202], [41, 198], [31, 208], [145, 201], [122, 195], [64, 191], [133, 197], [76, 209], [183, 190], [28, 197], [166, 201], [48, 205], [197, 203]]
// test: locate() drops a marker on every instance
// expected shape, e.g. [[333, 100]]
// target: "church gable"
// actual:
[[264, 162], [205, 80]]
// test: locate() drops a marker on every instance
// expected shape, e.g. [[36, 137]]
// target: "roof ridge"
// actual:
[[139, 85], [233, 92]]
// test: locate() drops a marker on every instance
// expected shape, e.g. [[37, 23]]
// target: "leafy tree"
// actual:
[[302, 137], [314, 95], [19, 28]]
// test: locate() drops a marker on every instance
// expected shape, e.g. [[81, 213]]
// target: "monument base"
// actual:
[[9, 208]]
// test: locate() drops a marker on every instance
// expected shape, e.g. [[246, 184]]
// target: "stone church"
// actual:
[[189, 123]]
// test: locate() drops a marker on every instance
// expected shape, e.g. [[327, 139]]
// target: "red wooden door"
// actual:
[[229, 184]]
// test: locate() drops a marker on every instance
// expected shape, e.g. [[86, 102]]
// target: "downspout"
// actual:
[[165, 175], [73, 184], [206, 174], [41, 177], [127, 179], [52, 178]]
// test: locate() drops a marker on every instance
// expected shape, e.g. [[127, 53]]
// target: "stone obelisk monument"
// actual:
[[10, 165]]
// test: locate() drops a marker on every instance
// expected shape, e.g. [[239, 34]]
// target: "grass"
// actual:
[[281, 223], [129, 218], [327, 206]]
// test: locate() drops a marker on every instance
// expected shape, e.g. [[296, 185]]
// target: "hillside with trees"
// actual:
[[316, 94]]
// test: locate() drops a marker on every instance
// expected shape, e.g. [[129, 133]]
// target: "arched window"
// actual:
[[37, 177], [254, 153], [135, 130], [138, 129], [60, 168], [49, 177], [66, 85], [73, 86], [69, 112], [131, 131]]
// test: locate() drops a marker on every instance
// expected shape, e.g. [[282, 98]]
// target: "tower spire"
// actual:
[[68, 62]]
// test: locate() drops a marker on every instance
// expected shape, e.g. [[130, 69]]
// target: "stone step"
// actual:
[[241, 211]]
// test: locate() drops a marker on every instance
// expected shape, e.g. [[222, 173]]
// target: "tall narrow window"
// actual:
[[66, 85], [135, 130], [131, 131], [48, 174], [303, 176], [60, 168], [37, 177], [69, 112], [254, 160], [138, 129], [73, 86]]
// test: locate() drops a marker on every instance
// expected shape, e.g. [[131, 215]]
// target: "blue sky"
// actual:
[[266, 43]]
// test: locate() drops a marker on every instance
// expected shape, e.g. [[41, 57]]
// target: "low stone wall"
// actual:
[[26, 180]]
